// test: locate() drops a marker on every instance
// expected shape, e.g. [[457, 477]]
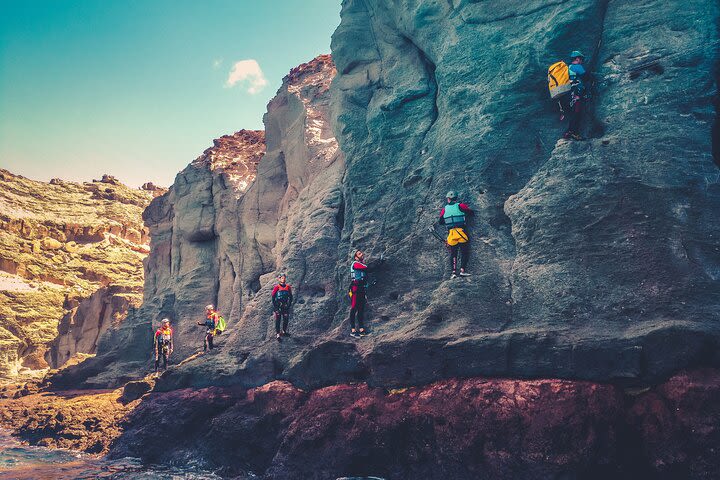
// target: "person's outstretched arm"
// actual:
[[465, 208]]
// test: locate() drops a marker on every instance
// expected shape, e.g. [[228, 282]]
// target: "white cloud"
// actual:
[[249, 74]]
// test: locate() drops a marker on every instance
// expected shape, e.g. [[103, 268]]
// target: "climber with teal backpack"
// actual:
[[569, 86], [454, 216]]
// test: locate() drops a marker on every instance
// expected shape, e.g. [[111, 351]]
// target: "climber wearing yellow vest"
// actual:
[[453, 217], [163, 344], [215, 325]]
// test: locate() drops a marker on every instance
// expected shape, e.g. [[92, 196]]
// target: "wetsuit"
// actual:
[[574, 103], [282, 299], [458, 240], [358, 292], [163, 345], [210, 323]]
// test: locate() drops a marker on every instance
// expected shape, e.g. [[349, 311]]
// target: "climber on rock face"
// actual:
[[574, 103], [453, 217], [358, 292], [282, 299], [163, 344], [211, 321]]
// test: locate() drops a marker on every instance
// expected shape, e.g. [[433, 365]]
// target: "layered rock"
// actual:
[[213, 242], [461, 429], [593, 260], [87, 319], [63, 246]]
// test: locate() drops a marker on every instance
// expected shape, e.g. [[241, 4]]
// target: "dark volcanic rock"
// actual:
[[459, 429], [599, 259], [594, 260]]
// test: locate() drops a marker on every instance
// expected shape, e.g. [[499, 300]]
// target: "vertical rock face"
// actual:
[[591, 260], [80, 328], [598, 259], [216, 240]]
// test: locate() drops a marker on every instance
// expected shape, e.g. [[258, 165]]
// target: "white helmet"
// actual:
[[209, 307]]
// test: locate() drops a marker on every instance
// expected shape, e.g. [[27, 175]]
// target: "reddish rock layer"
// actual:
[[459, 429], [236, 156]]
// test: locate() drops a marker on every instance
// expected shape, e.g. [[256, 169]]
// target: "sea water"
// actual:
[[22, 462]]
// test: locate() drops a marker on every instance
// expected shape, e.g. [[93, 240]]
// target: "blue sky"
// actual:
[[139, 88]]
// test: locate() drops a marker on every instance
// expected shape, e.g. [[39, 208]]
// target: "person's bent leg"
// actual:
[[361, 313], [465, 253], [353, 313], [277, 321], [453, 257], [576, 117]]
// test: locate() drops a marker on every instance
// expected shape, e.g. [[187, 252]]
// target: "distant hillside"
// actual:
[[70, 265]]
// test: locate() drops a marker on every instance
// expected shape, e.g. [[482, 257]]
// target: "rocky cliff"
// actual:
[[599, 259], [70, 265], [592, 260], [217, 240], [595, 263]]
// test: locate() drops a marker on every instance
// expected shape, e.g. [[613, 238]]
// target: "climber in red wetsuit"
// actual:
[[358, 292], [282, 299]]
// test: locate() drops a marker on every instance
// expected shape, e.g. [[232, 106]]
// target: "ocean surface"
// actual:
[[22, 462]]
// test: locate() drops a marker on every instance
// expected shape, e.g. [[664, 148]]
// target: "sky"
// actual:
[[139, 88]]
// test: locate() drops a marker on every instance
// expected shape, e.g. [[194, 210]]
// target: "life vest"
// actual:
[[357, 274], [212, 320], [283, 293], [164, 337], [559, 79], [576, 72], [453, 216]]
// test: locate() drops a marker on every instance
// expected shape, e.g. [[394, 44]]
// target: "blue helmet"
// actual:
[[576, 54]]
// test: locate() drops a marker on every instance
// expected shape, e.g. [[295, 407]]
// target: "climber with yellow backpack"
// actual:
[[453, 216], [568, 85]]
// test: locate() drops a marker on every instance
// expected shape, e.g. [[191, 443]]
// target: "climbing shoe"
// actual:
[[277, 337], [464, 274], [354, 334], [576, 136], [454, 275], [285, 334], [363, 332]]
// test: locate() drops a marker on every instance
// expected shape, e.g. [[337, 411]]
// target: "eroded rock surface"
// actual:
[[462, 429], [592, 260], [599, 259], [70, 261], [213, 242]]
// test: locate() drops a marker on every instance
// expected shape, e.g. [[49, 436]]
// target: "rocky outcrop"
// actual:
[[87, 319], [86, 420], [67, 252], [595, 259], [213, 242], [592, 260], [461, 429]]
